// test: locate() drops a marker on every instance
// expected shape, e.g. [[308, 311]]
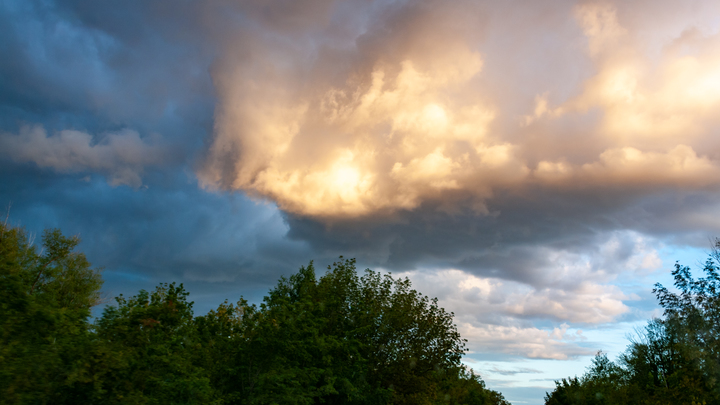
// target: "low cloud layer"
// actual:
[[121, 156]]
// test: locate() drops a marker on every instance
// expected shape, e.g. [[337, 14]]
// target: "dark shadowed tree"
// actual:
[[149, 343], [45, 300]]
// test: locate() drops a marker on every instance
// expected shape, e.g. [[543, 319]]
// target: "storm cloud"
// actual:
[[530, 163]]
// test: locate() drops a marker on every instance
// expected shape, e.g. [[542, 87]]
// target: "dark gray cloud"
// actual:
[[220, 246], [96, 69], [509, 242]]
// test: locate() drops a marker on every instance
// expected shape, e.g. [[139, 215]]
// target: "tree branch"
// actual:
[[42, 269]]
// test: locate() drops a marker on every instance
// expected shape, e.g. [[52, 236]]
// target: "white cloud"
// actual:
[[544, 317], [529, 342]]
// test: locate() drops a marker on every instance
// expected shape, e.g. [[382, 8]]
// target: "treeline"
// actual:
[[676, 360], [338, 339]]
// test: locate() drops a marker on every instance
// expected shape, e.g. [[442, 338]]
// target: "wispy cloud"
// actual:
[[521, 370]]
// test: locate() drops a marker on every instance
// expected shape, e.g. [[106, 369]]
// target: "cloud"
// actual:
[[502, 141], [121, 156], [491, 300], [523, 370], [528, 342], [677, 168], [531, 318], [649, 100], [398, 129], [411, 117]]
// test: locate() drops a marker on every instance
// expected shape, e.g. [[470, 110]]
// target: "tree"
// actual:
[[45, 301], [687, 342], [151, 341], [339, 339], [225, 335]]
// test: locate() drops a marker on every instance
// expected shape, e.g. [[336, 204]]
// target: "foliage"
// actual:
[[153, 337], [342, 339], [337, 339], [45, 301]]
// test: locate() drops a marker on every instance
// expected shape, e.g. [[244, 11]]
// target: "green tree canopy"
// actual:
[[341, 338], [150, 342]]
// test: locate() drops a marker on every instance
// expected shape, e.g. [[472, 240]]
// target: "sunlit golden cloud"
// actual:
[[646, 100], [402, 110]]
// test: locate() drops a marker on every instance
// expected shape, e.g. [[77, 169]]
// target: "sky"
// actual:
[[536, 165]]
